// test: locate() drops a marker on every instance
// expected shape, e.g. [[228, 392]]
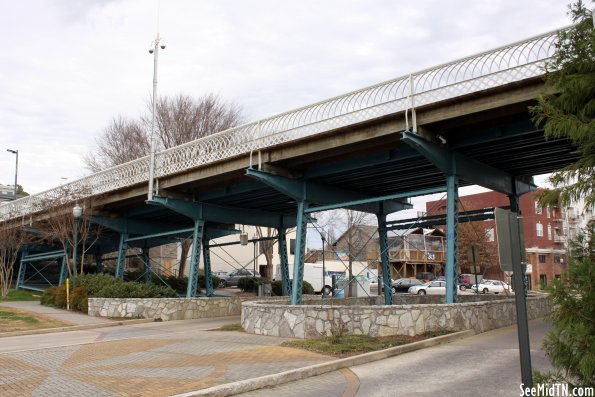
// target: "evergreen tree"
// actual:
[[570, 344], [567, 108]]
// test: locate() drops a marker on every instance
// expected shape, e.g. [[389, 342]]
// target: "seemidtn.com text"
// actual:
[[556, 390]]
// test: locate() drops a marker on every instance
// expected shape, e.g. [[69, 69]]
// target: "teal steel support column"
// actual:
[[197, 236], [286, 284], [121, 256], [452, 237], [299, 255], [206, 257], [63, 271], [386, 280], [22, 269], [146, 264]]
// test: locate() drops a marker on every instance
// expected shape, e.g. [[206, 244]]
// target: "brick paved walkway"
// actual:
[[147, 364]]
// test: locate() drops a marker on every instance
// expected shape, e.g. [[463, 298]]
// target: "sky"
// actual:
[[67, 67]]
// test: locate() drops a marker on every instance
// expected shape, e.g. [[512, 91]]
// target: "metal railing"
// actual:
[[514, 62]]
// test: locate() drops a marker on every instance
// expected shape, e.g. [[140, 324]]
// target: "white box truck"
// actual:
[[313, 275]]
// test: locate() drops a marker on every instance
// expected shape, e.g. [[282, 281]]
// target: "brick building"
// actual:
[[546, 232]]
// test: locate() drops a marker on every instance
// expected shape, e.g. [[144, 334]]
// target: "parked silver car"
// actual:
[[232, 278]]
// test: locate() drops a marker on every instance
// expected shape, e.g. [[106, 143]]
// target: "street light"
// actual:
[[77, 213], [16, 170], [154, 49]]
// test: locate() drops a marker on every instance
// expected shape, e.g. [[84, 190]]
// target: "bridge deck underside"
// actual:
[[387, 166]]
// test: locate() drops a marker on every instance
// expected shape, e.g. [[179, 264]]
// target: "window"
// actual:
[[547, 211], [537, 208], [558, 259], [490, 234], [542, 281], [549, 232], [542, 258], [539, 229]]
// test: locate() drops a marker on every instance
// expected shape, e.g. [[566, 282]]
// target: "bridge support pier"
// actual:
[[452, 237], [22, 269], [122, 247], [299, 254], [384, 257], [206, 257], [282, 247], [98, 263], [197, 238], [146, 264], [63, 271]]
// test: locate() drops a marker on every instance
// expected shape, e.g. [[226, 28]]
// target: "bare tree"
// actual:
[[353, 240], [12, 238], [178, 120], [60, 227], [123, 140], [183, 119]]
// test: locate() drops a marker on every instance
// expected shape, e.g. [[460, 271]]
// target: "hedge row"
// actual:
[[101, 286]]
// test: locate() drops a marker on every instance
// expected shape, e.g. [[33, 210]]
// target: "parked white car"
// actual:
[[429, 288], [494, 286]]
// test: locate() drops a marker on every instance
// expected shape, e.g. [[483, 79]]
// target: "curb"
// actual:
[[75, 327], [243, 386]]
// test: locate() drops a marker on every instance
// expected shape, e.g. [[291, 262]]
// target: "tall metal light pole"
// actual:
[[154, 49], [16, 170], [77, 213]]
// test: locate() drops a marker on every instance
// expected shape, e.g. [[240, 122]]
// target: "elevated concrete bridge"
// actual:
[[464, 122]]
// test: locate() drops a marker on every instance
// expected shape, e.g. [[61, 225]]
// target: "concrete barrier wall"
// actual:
[[305, 321]]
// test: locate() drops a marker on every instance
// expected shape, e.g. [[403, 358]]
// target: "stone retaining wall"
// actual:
[[168, 309], [480, 313]]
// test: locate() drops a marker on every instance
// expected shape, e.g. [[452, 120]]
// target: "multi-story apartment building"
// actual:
[[546, 233]]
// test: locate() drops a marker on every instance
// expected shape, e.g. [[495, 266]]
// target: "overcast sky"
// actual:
[[68, 66]]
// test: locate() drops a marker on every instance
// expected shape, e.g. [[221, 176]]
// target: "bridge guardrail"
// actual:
[[503, 65]]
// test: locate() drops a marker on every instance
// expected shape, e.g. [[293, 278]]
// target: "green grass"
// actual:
[[231, 327], [348, 344], [4, 315], [21, 295]]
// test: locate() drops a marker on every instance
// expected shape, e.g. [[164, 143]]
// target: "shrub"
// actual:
[[250, 284], [79, 299], [47, 298], [307, 288], [106, 286], [60, 297], [277, 286]]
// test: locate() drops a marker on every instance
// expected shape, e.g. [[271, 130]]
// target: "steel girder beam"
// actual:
[[134, 226], [312, 192], [216, 213], [473, 171], [452, 238], [282, 247], [299, 256], [386, 279], [197, 237]]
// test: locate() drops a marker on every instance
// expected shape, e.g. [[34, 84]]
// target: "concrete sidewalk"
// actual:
[[71, 317]]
